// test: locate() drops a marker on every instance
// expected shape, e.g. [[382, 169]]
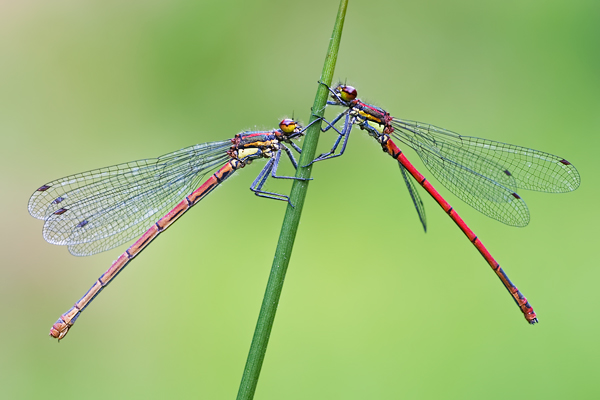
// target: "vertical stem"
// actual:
[[291, 220]]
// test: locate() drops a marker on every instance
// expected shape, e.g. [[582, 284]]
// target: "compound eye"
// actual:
[[348, 93], [288, 125]]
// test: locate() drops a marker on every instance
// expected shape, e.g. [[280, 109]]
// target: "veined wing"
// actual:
[[471, 169], [98, 210], [507, 164], [414, 195]]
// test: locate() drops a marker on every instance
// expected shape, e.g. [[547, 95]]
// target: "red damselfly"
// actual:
[[98, 210], [483, 173]]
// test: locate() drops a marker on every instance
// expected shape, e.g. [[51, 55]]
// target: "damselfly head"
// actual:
[[289, 126], [346, 92]]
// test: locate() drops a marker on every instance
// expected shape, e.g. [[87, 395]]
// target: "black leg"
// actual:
[[364, 125], [333, 122], [276, 165], [345, 134], [260, 180], [295, 147], [333, 93]]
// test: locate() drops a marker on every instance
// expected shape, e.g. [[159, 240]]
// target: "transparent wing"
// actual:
[[484, 173], [414, 195], [101, 209]]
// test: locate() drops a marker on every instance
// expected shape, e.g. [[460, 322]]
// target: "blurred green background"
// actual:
[[372, 307]]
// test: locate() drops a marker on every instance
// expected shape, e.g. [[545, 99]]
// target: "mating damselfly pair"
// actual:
[[101, 209]]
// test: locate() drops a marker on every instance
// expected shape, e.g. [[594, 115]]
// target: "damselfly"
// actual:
[[101, 209], [483, 173]]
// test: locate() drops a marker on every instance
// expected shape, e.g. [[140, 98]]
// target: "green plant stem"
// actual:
[[291, 220]]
